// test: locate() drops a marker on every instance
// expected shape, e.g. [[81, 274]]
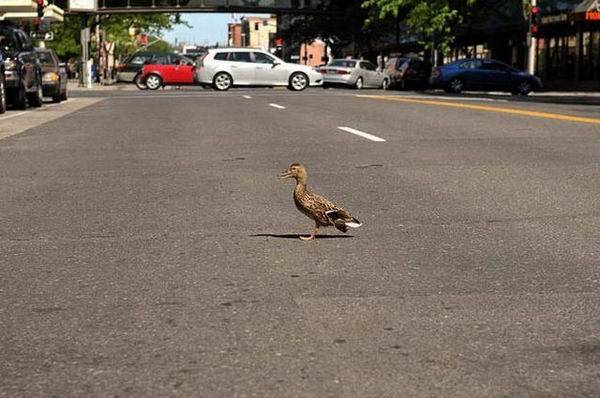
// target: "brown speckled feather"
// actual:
[[323, 211], [316, 206]]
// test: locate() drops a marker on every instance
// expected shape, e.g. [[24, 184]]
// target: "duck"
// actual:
[[321, 210]]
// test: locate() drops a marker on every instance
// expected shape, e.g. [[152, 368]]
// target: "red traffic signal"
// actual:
[[536, 19]]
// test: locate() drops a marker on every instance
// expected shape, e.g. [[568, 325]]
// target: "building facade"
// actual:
[[261, 32], [314, 53], [568, 44], [235, 35]]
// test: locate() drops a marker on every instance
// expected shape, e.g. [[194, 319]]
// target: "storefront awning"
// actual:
[[17, 6], [588, 6]]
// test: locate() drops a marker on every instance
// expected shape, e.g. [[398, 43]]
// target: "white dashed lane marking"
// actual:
[[361, 134], [277, 106]]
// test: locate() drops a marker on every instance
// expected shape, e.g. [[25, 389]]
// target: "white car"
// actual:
[[227, 67], [355, 73]]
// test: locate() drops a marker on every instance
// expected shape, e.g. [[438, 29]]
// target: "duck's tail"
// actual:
[[354, 223], [342, 221]]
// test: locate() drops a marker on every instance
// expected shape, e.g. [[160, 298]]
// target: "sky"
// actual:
[[206, 28]]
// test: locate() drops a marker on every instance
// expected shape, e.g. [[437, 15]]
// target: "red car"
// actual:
[[180, 72]]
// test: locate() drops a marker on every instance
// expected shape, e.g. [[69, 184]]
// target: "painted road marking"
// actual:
[[11, 116], [247, 96], [39, 116], [361, 134], [277, 106], [514, 111]]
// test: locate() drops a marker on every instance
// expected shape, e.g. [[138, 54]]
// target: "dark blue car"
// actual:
[[483, 75]]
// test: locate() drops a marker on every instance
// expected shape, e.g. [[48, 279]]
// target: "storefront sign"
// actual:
[[592, 16], [83, 5], [550, 19]]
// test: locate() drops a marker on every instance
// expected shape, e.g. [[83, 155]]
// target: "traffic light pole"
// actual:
[[532, 45], [85, 54]]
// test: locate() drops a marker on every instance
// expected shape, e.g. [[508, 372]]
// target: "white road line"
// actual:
[[11, 116], [277, 106], [361, 134], [247, 96], [45, 106]]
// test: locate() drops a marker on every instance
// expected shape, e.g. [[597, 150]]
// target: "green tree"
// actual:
[[345, 29], [116, 28], [434, 22]]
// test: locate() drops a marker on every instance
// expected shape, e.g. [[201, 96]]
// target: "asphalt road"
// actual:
[[147, 248]]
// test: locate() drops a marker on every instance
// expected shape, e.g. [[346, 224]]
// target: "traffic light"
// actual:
[[536, 19], [40, 8]]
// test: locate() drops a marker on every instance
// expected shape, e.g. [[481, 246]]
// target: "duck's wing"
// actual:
[[316, 203]]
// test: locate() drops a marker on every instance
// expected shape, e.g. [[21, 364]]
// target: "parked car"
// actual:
[[355, 73], [2, 86], [22, 71], [181, 71], [408, 71], [483, 75], [225, 67], [130, 70], [54, 75]]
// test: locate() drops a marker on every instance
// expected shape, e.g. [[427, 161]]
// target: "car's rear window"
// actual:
[[343, 63], [46, 58]]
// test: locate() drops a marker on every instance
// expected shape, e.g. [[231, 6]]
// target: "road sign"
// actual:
[[47, 36], [83, 5]]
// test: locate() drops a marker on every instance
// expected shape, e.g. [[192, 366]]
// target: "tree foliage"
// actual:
[[432, 21], [340, 30], [116, 29]]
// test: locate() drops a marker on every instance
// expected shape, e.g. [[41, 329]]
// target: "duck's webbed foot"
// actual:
[[312, 236]]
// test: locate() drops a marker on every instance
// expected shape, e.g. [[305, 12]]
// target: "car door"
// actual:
[[471, 73], [242, 68], [182, 70], [372, 77], [269, 71], [497, 75]]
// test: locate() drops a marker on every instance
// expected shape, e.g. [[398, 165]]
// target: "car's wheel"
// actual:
[[523, 88], [139, 82], [56, 98], [19, 98], [456, 85], [222, 81], [359, 83], [2, 94], [298, 81], [36, 99], [385, 84], [153, 82]]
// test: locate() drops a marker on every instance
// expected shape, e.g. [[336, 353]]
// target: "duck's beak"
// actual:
[[285, 174]]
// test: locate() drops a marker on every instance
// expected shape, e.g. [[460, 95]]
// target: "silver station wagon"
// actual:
[[355, 73], [226, 67]]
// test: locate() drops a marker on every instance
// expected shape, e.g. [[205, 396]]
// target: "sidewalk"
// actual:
[[73, 85]]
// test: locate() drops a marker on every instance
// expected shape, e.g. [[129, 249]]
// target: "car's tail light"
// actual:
[[323, 70], [343, 72], [50, 77]]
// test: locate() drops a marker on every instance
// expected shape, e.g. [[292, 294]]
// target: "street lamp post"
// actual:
[[532, 43]]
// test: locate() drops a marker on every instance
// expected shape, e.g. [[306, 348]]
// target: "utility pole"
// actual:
[[531, 41], [85, 55]]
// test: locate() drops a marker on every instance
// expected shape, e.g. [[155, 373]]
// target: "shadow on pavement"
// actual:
[[296, 236]]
